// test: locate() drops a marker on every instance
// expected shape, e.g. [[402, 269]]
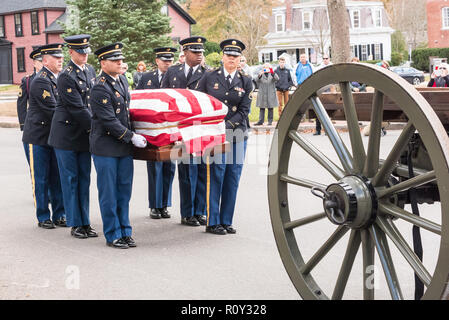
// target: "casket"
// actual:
[[178, 123]]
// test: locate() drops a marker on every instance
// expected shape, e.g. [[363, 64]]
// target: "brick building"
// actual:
[[26, 24], [438, 23]]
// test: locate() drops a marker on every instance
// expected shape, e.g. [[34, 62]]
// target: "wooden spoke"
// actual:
[[335, 139], [383, 251], [324, 161], [303, 221], [325, 248], [395, 211], [358, 150], [383, 174], [301, 182], [346, 266], [368, 265], [393, 233], [372, 158], [407, 184]]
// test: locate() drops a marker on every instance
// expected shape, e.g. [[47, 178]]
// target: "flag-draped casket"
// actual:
[[165, 116]]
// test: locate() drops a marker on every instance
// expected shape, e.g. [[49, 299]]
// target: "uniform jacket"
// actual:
[[150, 80], [111, 125], [72, 119], [176, 78], [266, 96], [22, 100], [42, 103], [237, 95]]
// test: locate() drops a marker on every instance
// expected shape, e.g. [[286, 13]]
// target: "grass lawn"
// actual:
[[254, 115], [9, 88]]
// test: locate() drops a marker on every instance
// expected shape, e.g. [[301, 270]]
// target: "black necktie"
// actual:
[[189, 75], [229, 79]]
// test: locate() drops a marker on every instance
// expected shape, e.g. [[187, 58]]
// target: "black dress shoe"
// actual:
[[130, 241], [217, 229], [317, 133], [258, 123], [47, 224], [190, 221], [164, 213], [201, 219], [229, 228], [79, 232], [118, 243], [61, 222], [91, 233], [155, 213]]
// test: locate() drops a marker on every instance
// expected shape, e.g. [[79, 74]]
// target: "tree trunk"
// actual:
[[339, 25]]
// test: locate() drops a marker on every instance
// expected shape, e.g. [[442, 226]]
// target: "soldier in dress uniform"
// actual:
[[43, 164], [233, 88], [192, 177], [24, 93], [111, 145], [160, 174], [69, 135]]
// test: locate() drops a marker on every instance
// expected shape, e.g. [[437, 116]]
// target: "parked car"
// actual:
[[410, 74]]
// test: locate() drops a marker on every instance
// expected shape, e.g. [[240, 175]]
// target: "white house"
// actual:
[[303, 27]]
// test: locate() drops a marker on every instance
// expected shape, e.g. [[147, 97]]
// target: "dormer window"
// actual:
[[280, 23], [377, 18], [307, 20], [355, 19]]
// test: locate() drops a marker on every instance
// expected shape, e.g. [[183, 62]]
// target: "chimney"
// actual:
[[288, 15]]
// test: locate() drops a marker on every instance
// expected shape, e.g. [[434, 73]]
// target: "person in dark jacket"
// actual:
[[43, 164], [111, 144], [283, 85], [24, 93], [69, 135]]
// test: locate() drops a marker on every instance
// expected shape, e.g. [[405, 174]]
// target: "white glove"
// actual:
[[139, 141]]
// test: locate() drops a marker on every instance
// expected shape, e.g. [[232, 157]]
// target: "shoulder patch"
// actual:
[[43, 74]]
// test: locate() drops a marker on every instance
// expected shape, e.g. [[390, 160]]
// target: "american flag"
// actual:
[[164, 116]]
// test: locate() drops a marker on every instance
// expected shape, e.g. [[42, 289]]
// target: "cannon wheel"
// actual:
[[359, 201]]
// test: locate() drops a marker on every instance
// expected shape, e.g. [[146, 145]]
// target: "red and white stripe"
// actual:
[[164, 116]]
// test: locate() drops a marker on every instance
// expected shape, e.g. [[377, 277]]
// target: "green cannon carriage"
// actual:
[[363, 196]]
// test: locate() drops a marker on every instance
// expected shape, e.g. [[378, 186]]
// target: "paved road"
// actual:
[[171, 261]]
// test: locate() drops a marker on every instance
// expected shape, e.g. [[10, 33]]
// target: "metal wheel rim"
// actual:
[[419, 112]]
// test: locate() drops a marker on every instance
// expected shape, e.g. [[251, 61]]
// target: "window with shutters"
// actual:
[[355, 19], [266, 57], [34, 22], [20, 59], [377, 52], [280, 23], [445, 19], [364, 52], [18, 24]]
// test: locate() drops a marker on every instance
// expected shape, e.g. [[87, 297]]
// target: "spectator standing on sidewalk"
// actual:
[[283, 85], [439, 78], [266, 97]]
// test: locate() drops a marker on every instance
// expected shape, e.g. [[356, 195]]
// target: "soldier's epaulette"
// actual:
[[243, 73], [43, 74], [68, 69], [101, 80]]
